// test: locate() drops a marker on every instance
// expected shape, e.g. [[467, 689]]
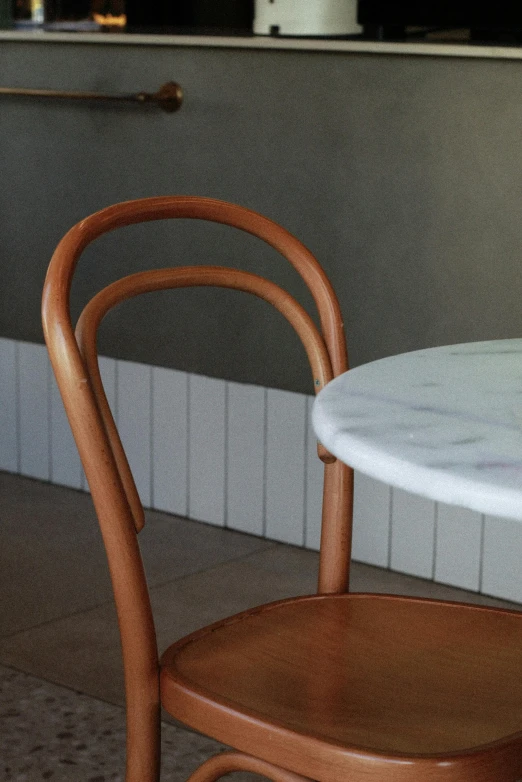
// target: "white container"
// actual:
[[306, 17]]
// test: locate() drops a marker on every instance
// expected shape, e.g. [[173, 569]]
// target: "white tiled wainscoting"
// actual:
[[244, 457]]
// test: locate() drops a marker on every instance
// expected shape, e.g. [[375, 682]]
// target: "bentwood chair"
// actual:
[[330, 687]]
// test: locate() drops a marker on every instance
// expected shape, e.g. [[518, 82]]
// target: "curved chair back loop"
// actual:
[[193, 207], [113, 490], [338, 480], [184, 277]]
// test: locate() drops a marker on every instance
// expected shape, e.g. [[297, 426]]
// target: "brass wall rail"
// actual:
[[169, 97]]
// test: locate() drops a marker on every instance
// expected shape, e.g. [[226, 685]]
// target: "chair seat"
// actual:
[[357, 682]]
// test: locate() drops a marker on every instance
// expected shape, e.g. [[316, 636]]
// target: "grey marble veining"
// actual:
[[445, 423]]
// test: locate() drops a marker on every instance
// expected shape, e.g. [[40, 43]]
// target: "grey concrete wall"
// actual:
[[402, 174]]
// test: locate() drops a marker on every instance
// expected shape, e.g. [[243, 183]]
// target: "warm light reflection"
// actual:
[[110, 21]]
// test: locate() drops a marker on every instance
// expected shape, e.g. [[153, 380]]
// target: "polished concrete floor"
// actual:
[[61, 690]]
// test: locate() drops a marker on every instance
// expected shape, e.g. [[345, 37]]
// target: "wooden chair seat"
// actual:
[[332, 686]]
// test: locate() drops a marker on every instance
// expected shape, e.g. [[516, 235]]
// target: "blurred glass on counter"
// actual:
[[28, 13], [74, 15], [109, 14], [188, 17]]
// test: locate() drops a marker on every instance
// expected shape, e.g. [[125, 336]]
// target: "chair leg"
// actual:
[[143, 746], [218, 765]]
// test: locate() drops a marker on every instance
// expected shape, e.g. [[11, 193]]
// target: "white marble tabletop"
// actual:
[[444, 423]]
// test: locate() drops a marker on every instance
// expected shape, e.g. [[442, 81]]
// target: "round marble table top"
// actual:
[[445, 423]]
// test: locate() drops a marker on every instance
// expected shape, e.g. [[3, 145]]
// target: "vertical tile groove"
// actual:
[[8, 406], [134, 421], [189, 449], [18, 408], [245, 457], [481, 556], [390, 529], [435, 531], [285, 466], [34, 411], [116, 391], [226, 439], [169, 440], [413, 523], [314, 485], [371, 523], [458, 547], [305, 476], [151, 452], [151, 439], [207, 411], [50, 419], [265, 456], [305, 473]]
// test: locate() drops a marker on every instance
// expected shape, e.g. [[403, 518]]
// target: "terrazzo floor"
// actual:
[[61, 689], [51, 732]]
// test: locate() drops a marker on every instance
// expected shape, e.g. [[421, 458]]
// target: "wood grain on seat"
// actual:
[[360, 674]]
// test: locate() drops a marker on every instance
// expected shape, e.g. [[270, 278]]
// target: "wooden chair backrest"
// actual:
[[75, 364]]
